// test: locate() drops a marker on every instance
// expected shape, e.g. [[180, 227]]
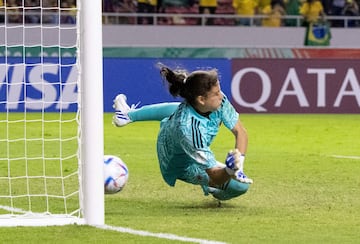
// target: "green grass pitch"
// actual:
[[301, 192]]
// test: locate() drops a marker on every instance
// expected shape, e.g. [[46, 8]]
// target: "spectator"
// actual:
[[32, 10], [68, 12], [207, 7], [14, 11], [125, 6], [107, 6], [51, 14], [147, 7], [351, 9], [244, 8], [327, 6], [2, 14], [337, 9], [274, 12], [160, 6], [292, 8], [262, 4], [312, 11]]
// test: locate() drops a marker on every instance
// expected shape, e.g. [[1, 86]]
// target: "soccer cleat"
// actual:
[[212, 190], [122, 109], [240, 176]]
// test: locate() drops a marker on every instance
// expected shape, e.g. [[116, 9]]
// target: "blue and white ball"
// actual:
[[116, 174]]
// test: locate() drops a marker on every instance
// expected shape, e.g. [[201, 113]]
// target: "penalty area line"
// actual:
[[344, 156], [157, 235]]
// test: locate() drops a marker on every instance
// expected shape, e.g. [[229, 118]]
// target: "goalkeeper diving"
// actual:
[[187, 130]]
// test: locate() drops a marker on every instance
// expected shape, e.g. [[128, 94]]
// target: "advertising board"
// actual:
[[253, 85]]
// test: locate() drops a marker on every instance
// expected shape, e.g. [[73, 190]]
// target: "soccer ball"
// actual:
[[116, 174]]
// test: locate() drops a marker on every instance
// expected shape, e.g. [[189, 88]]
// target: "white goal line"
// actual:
[[344, 156], [27, 218], [158, 235], [37, 220]]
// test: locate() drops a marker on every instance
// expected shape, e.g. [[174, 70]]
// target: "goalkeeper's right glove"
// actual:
[[240, 176], [234, 161]]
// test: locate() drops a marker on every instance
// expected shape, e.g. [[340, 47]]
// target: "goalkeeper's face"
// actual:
[[213, 99]]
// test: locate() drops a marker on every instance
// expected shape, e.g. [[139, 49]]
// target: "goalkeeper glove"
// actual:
[[240, 176], [234, 161]]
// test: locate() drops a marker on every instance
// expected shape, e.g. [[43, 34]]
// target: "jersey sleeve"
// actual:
[[228, 113]]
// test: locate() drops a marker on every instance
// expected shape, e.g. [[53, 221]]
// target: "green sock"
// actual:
[[153, 112], [230, 189]]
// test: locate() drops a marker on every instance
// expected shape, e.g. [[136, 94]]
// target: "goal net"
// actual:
[[42, 170]]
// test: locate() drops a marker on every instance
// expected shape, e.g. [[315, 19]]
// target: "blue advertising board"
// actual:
[[26, 84], [51, 86]]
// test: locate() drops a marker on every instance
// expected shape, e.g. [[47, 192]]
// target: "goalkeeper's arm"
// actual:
[[241, 140], [241, 137]]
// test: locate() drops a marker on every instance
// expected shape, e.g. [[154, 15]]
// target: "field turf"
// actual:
[[306, 172]]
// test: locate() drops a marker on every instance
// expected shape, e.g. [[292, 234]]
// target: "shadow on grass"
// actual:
[[211, 204]]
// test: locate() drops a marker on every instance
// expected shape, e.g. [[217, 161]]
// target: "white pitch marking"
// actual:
[[136, 232], [158, 235], [16, 210], [344, 156]]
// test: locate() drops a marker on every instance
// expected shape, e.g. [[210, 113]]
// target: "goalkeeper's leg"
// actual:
[[153, 112], [229, 190], [125, 114]]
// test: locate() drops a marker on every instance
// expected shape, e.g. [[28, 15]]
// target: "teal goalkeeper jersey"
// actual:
[[185, 138]]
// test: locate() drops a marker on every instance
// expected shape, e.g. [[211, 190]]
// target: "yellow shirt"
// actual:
[[311, 11], [274, 16], [264, 3], [208, 3], [151, 2], [245, 7]]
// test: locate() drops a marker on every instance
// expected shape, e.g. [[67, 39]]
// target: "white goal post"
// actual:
[[51, 113]]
